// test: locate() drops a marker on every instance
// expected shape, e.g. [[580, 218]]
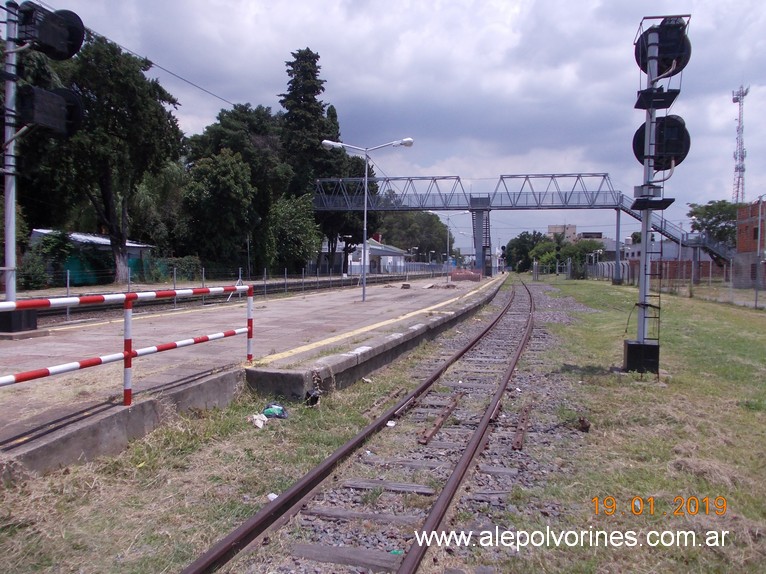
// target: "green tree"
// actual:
[[156, 207], [717, 218], [126, 133], [336, 163], [519, 248], [217, 209], [297, 234], [408, 229], [544, 252], [579, 250], [253, 133], [305, 124]]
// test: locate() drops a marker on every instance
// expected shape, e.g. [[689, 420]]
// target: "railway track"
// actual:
[[402, 474], [270, 288]]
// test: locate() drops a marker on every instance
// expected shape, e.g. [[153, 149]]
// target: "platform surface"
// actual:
[[287, 330]]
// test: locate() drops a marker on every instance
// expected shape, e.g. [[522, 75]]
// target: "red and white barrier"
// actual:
[[59, 302], [128, 353]]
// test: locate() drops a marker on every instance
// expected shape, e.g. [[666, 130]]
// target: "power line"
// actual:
[[153, 63]]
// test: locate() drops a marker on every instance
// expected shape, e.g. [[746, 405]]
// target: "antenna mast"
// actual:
[[738, 194]]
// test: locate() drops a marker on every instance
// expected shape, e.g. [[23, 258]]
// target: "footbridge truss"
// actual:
[[511, 192]]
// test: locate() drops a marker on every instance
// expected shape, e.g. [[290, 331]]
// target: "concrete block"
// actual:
[[215, 391], [291, 384]]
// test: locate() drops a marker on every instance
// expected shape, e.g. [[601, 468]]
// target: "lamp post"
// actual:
[[758, 249], [328, 144]]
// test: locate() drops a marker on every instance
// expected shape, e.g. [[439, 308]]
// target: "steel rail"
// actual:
[[415, 554], [288, 502]]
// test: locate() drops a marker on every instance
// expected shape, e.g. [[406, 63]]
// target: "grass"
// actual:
[[697, 430]]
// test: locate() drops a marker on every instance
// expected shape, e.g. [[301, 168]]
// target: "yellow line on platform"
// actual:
[[317, 344]]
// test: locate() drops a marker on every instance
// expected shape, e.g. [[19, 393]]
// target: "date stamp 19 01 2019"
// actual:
[[645, 506]]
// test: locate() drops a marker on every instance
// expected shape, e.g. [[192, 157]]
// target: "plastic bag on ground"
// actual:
[[275, 410]]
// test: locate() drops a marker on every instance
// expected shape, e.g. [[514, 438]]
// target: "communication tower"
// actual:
[[738, 194]]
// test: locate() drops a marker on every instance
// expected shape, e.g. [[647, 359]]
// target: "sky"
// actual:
[[484, 87]]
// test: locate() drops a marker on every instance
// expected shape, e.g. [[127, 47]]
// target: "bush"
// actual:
[[160, 269], [31, 273]]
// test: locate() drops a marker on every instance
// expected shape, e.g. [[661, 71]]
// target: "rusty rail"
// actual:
[[415, 555]]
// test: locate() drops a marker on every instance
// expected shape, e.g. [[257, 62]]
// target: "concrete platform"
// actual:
[[327, 338]]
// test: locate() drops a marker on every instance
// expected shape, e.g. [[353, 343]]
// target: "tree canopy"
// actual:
[[238, 191], [421, 233], [717, 218], [128, 131], [519, 249]]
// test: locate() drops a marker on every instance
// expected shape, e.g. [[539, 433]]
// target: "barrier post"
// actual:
[[127, 376], [67, 293], [250, 323]]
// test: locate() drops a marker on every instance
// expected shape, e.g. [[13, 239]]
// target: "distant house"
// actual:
[[567, 231], [82, 269], [381, 258]]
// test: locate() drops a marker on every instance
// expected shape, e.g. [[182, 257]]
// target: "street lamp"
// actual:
[[328, 144]]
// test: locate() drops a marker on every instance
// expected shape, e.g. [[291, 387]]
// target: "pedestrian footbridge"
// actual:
[[511, 192]]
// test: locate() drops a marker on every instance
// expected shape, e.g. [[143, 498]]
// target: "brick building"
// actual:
[[751, 222]]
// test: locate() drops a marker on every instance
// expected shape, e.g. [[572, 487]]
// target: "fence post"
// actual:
[[175, 299], [203, 284], [127, 376], [285, 279], [264, 282]]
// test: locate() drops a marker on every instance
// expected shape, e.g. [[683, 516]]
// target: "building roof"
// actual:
[[379, 249], [90, 238]]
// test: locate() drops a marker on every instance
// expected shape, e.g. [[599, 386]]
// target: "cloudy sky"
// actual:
[[485, 87]]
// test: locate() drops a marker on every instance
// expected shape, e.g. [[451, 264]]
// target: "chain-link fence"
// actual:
[[739, 282]]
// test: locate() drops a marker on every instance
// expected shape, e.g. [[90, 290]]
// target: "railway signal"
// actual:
[[660, 144], [59, 35]]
